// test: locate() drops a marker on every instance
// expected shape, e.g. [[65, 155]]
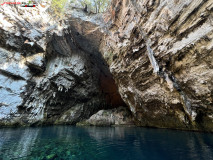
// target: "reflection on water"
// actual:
[[94, 143]]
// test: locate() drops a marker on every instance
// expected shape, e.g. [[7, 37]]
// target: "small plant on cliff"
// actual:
[[95, 6], [58, 8], [108, 56]]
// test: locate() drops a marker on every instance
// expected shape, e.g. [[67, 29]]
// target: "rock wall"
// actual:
[[178, 36], [158, 51], [51, 72], [111, 117]]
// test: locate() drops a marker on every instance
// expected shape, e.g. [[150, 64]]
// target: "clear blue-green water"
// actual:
[[103, 143]]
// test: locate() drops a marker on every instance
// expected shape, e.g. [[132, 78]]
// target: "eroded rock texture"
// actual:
[[51, 72], [180, 34], [110, 117]]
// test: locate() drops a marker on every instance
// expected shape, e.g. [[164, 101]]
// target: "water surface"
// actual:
[[103, 143]]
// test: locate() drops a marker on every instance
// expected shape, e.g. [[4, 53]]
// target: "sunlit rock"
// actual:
[[179, 33], [51, 72]]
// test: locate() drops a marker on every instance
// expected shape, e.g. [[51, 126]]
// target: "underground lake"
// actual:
[[103, 143]]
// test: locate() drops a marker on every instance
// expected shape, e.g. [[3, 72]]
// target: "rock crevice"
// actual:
[[80, 70], [179, 36], [51, 73]]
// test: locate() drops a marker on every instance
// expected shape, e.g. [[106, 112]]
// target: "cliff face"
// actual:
[[51, 72], [174, 38], [159, 53]]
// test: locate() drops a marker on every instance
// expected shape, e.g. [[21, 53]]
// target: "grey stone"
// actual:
[[117, 116], [49, 71], [179, 95]]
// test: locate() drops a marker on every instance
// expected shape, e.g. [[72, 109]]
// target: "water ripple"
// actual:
[[99, 143]]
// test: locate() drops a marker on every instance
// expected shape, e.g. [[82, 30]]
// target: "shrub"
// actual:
[[58, 8], [95, 6]]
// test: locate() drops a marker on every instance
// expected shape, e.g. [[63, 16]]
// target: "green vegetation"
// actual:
[[58, 7], [108, 56], [95, 6]]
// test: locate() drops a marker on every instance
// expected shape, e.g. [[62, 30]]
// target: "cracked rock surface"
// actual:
[[50, 72], [180, 35], [160, 54]]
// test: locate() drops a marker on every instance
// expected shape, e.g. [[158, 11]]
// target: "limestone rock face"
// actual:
[[179, 34], [50, 72], [160, 54]]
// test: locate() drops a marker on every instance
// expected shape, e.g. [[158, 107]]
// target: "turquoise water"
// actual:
[[103, 143]]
